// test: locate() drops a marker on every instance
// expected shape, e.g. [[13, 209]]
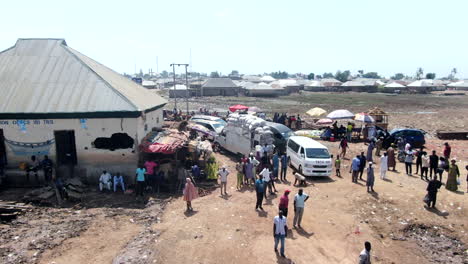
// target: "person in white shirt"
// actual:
[[267, 180], [105, 181], [118, 180], [383, 166], [409, 161], [407, 147], [222, 175], [280, 231], [364, 257], [299, 202], [424, 165]]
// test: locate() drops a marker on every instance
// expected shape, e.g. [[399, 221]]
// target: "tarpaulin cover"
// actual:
[[165, 142]]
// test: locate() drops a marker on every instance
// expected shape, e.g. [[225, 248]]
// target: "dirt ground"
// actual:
[[338, 218]]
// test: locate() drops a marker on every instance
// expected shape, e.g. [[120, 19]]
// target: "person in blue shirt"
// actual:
[[260, 190], [284, 166], [140, 180], [275, 162], [355, 168]]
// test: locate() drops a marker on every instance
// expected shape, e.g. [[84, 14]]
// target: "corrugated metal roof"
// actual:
[[219, 83], [47, 76]]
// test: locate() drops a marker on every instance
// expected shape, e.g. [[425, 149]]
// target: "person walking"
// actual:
[[299, 203], [447, 151], [433, 162], [140, 181], [355, 168], [370, 150], [424, 165], [223, 175], [344, 146], [337, 166], [378, 146], [362, 165], [432, 188], [240, 175], [280, 231], [259, 190], [441, 167], [190, 193], [370, 177], [418, 155], [365, 256], [453, 177], [409, 162], [284, 202], [383, 166], [391, 157], [275, 160], [284, 166], [266, 175]]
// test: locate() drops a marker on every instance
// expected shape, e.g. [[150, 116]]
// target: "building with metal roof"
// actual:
[[56, 101], [219, 86]]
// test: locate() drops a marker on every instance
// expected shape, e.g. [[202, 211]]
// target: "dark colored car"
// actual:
[[413, 136], [281, 134]]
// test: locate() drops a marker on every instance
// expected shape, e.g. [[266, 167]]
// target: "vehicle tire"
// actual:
[[300, 170], [290, 164]]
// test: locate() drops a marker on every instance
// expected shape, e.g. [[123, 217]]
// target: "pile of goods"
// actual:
[[248, 126]]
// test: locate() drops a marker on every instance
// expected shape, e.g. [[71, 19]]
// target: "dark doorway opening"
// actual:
[[65, 147], [3, 156]]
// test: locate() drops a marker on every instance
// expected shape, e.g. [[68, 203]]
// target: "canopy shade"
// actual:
[[324, 121], [237, 107], [363, 117], [341, 114], [316, 112]]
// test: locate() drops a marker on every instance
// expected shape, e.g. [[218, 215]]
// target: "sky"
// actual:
[[253, 37]]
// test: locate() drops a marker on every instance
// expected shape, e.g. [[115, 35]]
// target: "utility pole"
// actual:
[[186, 84], [175, 92]]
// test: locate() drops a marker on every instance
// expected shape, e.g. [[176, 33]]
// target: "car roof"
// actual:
[[280, 127], [307, 141], [204, 121], [206, 117], [405, 129]]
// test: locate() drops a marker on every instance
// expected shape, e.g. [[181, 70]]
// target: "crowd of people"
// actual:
[[292, 121]]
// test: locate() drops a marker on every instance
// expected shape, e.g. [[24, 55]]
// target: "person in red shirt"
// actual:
[[284, 201], [447, 151], [344, 146]]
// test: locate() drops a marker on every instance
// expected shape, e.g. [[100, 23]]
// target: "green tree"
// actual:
[[360, 73], [311, 76], [453, 73], [397, 76], [279, 75], [214, 74], [371, 75], [342, 76], [164, 74], [430, 75], [328, 75], [319, 76], [419, 73]]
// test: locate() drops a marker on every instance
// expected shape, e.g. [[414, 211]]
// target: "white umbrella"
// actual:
[[340, 114], [363, 117]]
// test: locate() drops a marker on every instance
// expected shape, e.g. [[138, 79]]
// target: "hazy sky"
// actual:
[[254, 36]]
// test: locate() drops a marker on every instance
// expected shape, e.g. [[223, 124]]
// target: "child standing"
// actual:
[[338, 165]]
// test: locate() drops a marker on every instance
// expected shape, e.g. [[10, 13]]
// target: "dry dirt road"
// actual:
[[338, 218]]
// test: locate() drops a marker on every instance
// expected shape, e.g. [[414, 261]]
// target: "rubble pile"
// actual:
[[73, 190]]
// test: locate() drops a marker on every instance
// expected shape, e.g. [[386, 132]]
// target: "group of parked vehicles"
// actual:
[[307, 156]]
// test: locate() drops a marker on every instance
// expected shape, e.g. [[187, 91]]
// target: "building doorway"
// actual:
[[65, 147], [3, 156]]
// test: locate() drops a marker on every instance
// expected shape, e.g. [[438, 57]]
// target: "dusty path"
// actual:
[[338, 218]]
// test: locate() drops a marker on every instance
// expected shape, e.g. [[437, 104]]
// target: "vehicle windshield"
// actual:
[[287, 134], [217, 126], [313, 153]]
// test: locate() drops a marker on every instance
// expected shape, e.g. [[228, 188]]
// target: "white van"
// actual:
[[309, 157]]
